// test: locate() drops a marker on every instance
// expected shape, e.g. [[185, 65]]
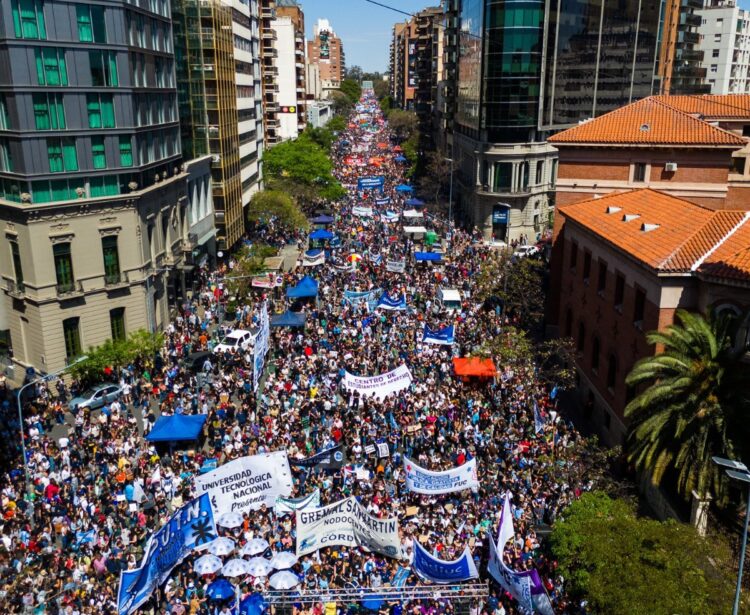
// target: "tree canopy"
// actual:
[[274, 204], [622, 564], [138, 345], [248, 262], [351, 89]]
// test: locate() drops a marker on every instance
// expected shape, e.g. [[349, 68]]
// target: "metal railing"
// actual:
[[453, 593]]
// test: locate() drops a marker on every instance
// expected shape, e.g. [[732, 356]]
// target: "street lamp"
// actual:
[[19, 396], [738, 471]]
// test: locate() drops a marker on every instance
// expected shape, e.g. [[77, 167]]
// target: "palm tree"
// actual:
[[693, 406]]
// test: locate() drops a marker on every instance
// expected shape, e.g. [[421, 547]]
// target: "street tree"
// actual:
[[694, 404], [249, 261], [622, 564], [436, 175], [354, 73], [352, 89], [140, 345], [275, 205], [381, 87], [404, 124], [342, 104]]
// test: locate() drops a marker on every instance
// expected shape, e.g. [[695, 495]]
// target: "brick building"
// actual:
[[693, 147], [622, 264], [327, 51]]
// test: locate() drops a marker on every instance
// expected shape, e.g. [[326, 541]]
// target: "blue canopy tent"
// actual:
[[427, 256], [321, 234], [404, 188], [322, 219], [177, 428], [400, 158], [288, 319], [414, 202], [307, 287]]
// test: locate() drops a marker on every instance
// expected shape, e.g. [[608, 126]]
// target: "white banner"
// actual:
[[261, 346], [346, 523], [379, 386], [247, 483], [419, 480], [395, 266], [284, 506], [314, 261]]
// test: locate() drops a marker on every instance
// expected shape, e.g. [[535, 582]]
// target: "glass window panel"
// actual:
[[15, 254], [126, 152], [97, 20], [94, 111], [70, 157], [108, 111], [54, 155], [72, 335], [98, 153], [85, 30], [63, 266], [61, 190], [112, 79], [41, 112], [117, 322], [41, 192], [111, 259], [97, 68]]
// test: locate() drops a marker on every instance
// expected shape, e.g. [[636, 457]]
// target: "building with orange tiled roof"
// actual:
[[693, 147], [621, 265]]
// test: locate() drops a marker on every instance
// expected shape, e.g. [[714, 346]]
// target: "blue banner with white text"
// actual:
[[440, 571], [438, 336]]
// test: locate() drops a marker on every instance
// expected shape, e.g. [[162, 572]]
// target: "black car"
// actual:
[[195, 360]]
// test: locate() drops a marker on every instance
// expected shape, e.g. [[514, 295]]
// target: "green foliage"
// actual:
[[270, 204], [336, 124], [404, 124], [694, 407], [386, 105], [625, 565], [342, 104], [139, 345], [249, 262], [351, 89], [381, 88]]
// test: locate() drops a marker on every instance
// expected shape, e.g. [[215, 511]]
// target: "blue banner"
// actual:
[[370, 183], [399, 579], [369, 297], [383, 201], [438, 336], [439, 571], [191, 527], [388, 303]]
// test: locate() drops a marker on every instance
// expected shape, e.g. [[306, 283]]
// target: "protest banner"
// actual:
[[313, 258], [247, 483], [395, 266], [330, 459], [379, 386], [516, 584], [420, 480], [346, 523], [438, 336], [370, 183], [370, 297], [362, 212], [387, 302], [284, 506], [261, 346], [191, 527], [439, 571]]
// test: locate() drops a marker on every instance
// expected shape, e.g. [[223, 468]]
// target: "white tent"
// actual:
[[412, 213], [409, 230]]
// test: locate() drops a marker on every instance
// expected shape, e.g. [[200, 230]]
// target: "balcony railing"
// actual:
[[15, 289], [116, 279], [69, 289]]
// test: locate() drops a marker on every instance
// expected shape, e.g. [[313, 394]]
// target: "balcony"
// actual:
[[69, 290], [15, 290], [116, 280], [269, 35]]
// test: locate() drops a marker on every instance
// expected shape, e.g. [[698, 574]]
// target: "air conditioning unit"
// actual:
[[670, 167]]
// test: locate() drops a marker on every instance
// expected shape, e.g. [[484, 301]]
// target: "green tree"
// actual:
[[381, 87], [354, 73], [342, 104], [139, 345], [625, 565], [351, 89], [273, 204], [693, 407], [386, 105], [404, 124], [249, 262], [436, 176], [336, 124]]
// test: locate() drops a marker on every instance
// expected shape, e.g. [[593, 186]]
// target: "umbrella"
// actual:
[[400, 158], [284, 559], [254, 604], [230, 520], [255, 546], [259, 567], [220, 589], [353, 258], [207, 564], [236, 567], [284, 580], [404, 188], [221, 546]]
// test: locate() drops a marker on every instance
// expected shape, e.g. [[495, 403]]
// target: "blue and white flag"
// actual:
[[84, 538], [191, 527], [370, 297], [439, 571], [399, 579], [388, 303], [539, 595], [376, 259], [362, 212], [516, 584], [539, 422], [313, 258], [390, 216], [395, 266], [438, 336], [285, 506], [261, 346], [421, 480]]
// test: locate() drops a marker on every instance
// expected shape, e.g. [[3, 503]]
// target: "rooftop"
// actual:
[[652, 121], [664, 232], [711, 106]]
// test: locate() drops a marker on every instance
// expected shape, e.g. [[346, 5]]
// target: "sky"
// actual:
[[364, 28]]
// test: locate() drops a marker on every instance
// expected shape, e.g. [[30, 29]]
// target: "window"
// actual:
[[50, 66], [100, 110], [719, 22], [715, 53], [586, 266], [28, 19], [6, 162], [580, 341], [49, 112], [601, 282], [103, 68], [126, 151], [502, 176], [523, 169], [111, 259], [63, 267], [717, 37], [573, 255], [553, 173], [97, 153], [639, 172], [611, 372], [539, 172], [91, 23], [72, 334], [15, 255], [639, 307], [714, 68], [595, 355], [4, 119], [117, 323], [62, 155], [619, 291]]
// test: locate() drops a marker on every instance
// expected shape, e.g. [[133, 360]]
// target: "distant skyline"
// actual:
[[364, 28]]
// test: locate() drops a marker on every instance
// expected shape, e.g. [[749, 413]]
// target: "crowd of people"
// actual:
[[64, 546]]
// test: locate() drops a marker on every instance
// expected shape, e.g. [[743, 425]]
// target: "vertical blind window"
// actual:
[[103, 68], [100, 110], [126, 152], [6, 162], [62, 155], [49, 112], [63, 266], [4, 120], [91, 23], [97, 151], [111, 259], [72, 335], [28, 19], [50, 66]]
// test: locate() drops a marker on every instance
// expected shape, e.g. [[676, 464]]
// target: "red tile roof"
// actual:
[[649, 121], [731, 260], [711, 106], [681, 234]]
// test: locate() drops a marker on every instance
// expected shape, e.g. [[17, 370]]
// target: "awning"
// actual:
[[288, 319], [474, 366], [321, 234], [178, 427], [307, 287], [427, 256], [322, 219], [413, 202], [404, 188]]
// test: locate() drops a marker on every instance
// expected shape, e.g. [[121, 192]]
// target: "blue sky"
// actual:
[[364, 28]]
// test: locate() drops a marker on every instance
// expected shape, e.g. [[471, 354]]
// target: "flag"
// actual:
[[395, 266], [506, 531], [138, 494], [388, 303], [376, 258], [538, 420], [84, 538], [438, 336], [553, 392]]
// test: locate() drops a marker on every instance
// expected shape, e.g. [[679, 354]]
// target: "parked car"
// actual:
[[239, 339], [195, 360], [96, 396], [496, 243], [523, 251]]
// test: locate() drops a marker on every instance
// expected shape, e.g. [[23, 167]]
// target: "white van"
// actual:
[[449, 299]]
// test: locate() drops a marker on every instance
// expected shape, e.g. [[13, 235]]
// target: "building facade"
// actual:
[[403, 65], [93, 188], [327, 51], [725, 44], [269, 71], [292, 10], [680, 56]]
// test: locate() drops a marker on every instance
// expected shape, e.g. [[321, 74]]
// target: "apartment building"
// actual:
[[327, 51], [725, 44], [292, 10]]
